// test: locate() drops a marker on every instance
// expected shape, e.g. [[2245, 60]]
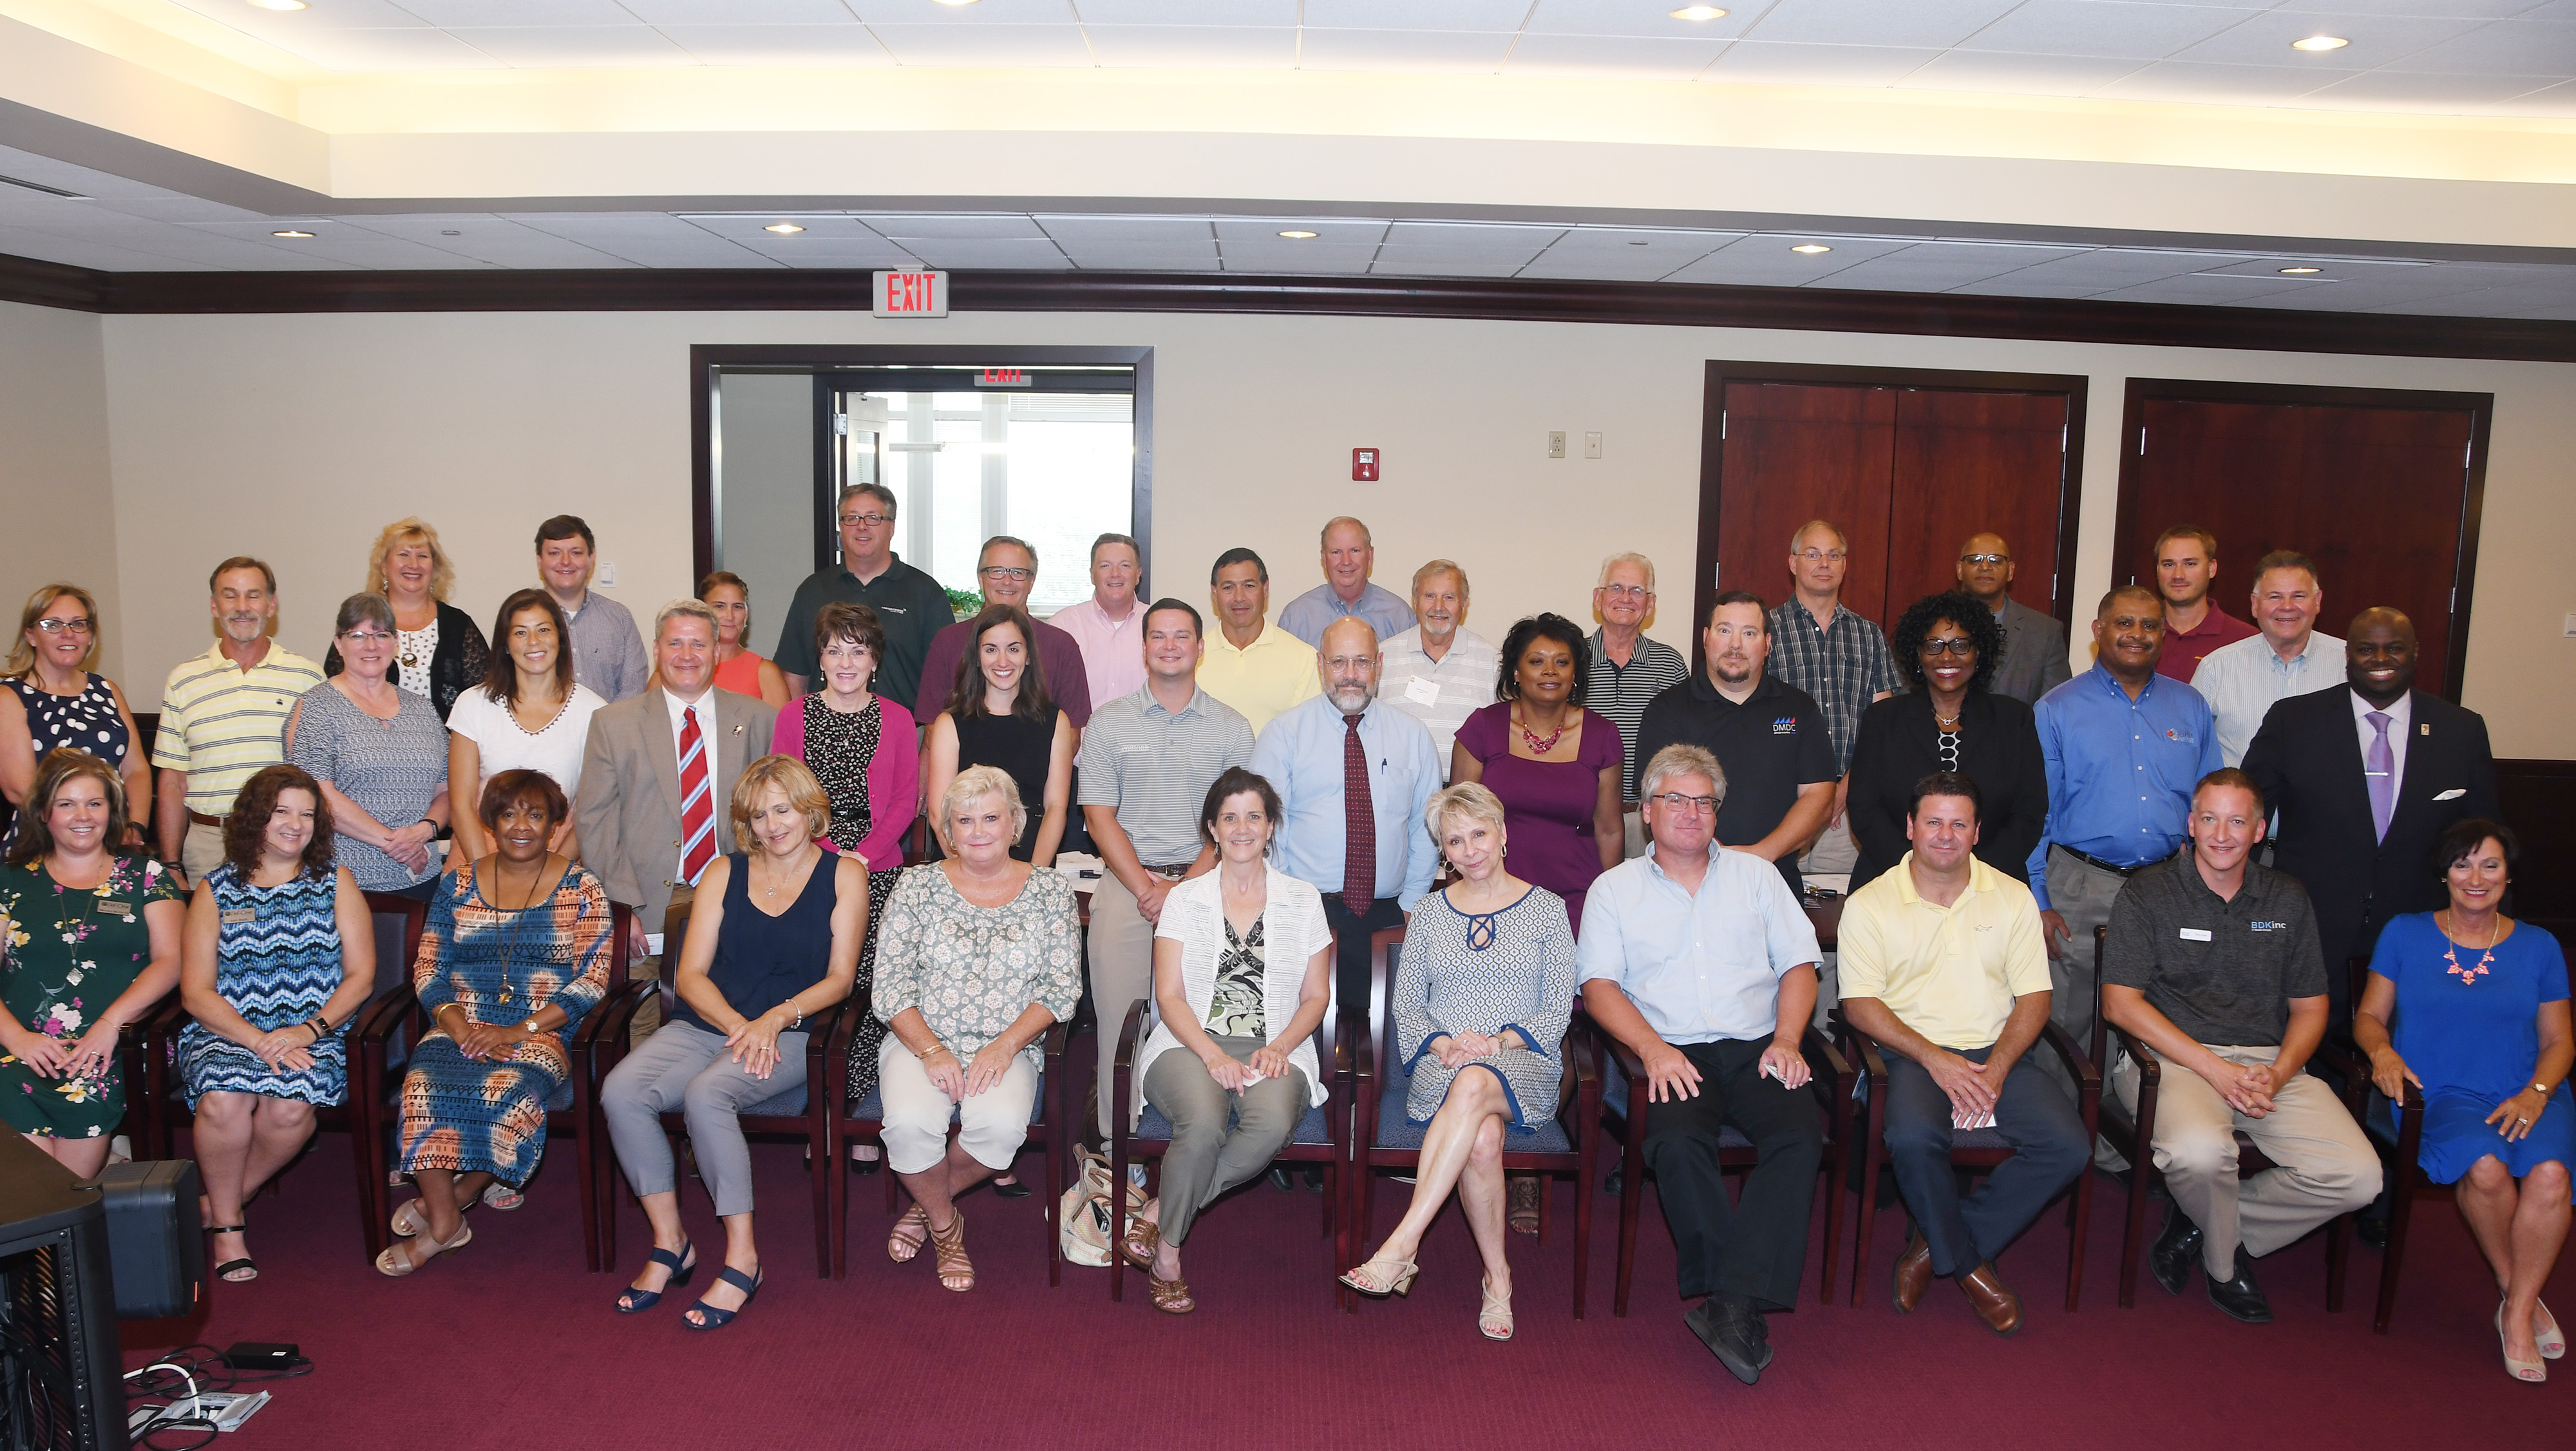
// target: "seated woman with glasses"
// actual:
[[56, 698], [380, 754], [1948, 646]]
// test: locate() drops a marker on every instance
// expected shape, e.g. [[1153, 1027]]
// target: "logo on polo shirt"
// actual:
[[1786, 725], [2269, 926]]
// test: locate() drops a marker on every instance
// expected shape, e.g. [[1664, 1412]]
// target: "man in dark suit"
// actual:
[[2034, 661], [2364, 777]]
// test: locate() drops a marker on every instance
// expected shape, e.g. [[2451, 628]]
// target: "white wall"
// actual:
[[301, 435], [765, 491], [60, 523]]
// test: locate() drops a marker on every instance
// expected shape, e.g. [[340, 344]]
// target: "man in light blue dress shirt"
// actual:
[[1303, 754], [2289, 657], [1350, 556], [2124, 747]]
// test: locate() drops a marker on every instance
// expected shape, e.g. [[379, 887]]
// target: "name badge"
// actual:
[[236, 916], [2195, 934], [108, 907], [1421, 691]]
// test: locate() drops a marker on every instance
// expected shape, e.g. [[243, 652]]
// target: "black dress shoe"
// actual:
[[1280, 1180], [2175, 1251], [2241, 1297], [1615, 1182], [1734, 1332], [2372, 1232]]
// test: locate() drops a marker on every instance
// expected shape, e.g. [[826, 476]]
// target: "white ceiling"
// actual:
[[2461, 57], [121, 225]]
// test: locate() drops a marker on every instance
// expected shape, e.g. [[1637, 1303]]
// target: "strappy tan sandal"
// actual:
[[396, 1264], [951, 1246], [910, 1233], [1171, 1296], [1494, 1320], [1382, 1277], [1144, 1236]]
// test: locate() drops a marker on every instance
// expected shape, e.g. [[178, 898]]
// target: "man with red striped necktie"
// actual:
[[658, 773]]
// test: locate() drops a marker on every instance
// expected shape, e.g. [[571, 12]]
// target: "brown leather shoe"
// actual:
[[1913, 1274], [1992, 1299]]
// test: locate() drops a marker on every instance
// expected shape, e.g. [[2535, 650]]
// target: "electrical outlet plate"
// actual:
[[1556, 443]]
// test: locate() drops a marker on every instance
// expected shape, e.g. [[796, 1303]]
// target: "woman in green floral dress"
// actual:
[[92, 942]]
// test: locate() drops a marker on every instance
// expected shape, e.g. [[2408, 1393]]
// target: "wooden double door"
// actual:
[[1909, 464]]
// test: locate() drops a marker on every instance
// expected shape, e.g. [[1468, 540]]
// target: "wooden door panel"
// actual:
[[1794, 452], [1967, 463]]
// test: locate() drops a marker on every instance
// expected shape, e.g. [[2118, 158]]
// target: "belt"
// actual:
[[2091, 860], [1175, 871], [202, 819]]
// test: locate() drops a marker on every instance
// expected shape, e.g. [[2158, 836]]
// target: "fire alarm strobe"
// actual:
[[1363, 465]]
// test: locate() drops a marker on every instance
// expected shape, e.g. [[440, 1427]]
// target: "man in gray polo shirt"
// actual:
[[2212, 962], [1147, 762]]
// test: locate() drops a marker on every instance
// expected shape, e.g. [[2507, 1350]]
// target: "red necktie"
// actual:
[[697, 801], [1359, 823]]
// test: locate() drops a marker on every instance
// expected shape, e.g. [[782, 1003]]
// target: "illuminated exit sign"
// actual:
[[1003, 378], [912, 294]]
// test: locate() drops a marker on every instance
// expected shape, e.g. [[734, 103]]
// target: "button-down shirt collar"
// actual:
[[2244, 680], [1113, 651], [1702, 965], [1300, 753]]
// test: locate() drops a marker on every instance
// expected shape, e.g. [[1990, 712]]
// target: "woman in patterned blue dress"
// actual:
[[278, 956], [55, 697], [380, 754], [1486, 982]]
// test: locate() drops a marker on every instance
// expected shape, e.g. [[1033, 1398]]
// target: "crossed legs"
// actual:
[[1462, 1149]]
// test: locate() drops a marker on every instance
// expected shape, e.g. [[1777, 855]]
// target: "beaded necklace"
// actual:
[[2469, 975]]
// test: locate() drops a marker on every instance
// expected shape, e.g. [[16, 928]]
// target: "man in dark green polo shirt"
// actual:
[[910, 605], [2212, 962]]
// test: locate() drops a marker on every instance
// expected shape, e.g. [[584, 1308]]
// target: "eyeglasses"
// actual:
[[1675, 801], [1812, 555], [1001, 572], [57, 627], [1625, 591], [1985, 559], [873, 521], [367, 637], [1963, 648]]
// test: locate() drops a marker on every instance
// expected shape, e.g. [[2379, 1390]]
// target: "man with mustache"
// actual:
[[2034, 660], [223, 717], [2290, 657], [1440, 672]]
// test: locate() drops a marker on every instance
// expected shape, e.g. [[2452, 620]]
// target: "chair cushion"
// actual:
[[1154, 1128], [1396, 1131], [872, 1107], [780, 1105]]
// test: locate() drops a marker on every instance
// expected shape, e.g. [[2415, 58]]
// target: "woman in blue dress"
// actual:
[[278, 955], [2479, 1003]]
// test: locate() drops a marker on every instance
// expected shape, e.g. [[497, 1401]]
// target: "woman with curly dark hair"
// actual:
[[1948, 646]]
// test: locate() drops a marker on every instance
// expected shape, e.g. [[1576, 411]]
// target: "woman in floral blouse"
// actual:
[[92, 942], [978, 956]]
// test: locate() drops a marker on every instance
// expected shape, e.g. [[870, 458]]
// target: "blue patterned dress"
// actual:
[[277, 961], [503, 966]]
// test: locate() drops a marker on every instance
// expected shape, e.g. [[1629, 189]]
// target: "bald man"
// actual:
[[2034, 660]]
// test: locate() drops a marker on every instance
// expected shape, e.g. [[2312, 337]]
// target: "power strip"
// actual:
[[225, 1409]]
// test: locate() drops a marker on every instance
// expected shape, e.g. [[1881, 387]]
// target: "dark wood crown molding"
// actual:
[[1794, 309]]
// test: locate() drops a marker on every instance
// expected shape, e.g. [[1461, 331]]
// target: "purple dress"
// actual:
[[1547, 805]]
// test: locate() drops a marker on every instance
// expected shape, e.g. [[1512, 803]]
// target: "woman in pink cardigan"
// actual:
[[865, 750]]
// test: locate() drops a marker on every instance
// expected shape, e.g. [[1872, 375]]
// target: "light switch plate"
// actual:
[[608, 574], [2571, 626]]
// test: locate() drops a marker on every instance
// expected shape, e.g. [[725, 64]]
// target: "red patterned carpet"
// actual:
[[508, 1342]]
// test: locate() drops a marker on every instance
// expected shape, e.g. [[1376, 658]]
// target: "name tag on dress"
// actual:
[[2195, 934], [237, 916], [1421, 691], [108, 907]]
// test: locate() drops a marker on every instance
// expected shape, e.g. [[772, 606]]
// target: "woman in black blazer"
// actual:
[[1948, 645], [441, 651]]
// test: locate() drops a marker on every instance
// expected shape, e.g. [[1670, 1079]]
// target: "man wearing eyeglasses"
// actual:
[[1005, 571], [2034, 660], [1822, 647], [910, 606], [1627, 669]]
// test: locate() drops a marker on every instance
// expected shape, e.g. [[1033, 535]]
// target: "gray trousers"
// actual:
[[1121, 944], [2081, 893], [684, 1066], [1206, 1158]]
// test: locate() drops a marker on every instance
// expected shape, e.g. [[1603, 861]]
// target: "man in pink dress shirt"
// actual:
[[1109, 626]]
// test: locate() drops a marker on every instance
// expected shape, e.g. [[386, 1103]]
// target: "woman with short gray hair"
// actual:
[[380, 754]]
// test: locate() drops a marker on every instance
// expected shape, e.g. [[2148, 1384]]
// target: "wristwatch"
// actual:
[[530, 1026]]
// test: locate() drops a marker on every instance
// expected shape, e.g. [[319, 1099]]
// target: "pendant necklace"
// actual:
[[510, 949], [1946, 737], [2469, 975], [1540, 747]]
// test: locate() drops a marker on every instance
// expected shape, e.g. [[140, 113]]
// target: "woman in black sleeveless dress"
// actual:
[[1000, 714]]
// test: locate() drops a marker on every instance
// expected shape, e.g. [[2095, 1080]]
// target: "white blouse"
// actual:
[[1293, 930], [505, 745]]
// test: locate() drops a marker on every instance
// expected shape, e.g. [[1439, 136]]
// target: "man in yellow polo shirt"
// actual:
[[1251, 664], [223, 717], [1942, 962]]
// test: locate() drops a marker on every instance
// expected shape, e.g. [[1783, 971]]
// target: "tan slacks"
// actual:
[[201, 851], [1122, 973], [2324, 1166]]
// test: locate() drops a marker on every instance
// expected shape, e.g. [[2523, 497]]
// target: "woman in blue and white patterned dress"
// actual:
[[278, 955], [1486, 981], [380, 754]]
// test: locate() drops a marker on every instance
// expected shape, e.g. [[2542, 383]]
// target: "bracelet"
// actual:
[[934, 1048]]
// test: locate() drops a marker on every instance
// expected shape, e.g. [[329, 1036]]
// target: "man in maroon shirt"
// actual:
[[2186, 563]]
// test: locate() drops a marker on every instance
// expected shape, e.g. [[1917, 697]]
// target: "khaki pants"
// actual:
[[201, 851], [2324, 1167], [1834, 852], [1122, 973], [2081, 893]]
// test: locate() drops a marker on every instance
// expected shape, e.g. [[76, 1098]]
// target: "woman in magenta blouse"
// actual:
[[1554, 765]]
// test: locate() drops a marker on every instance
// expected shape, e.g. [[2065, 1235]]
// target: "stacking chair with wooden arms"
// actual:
[[2133, 1137], [1567, 1141], [1971, 1148], [2400, 1145]]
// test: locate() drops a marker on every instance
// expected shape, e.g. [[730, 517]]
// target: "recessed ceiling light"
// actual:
[[279, 4], [2300, 271], [290, 232], [2320, 42], [782, 228], [1699, 12], [1811, 249], [956, 2], [1296, 235]]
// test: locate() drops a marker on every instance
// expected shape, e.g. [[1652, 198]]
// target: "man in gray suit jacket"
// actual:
[[2034, 660], [631, 807]]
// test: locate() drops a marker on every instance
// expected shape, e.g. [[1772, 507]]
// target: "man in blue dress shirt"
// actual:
[[1350, 556], [2124, 747], [1353, 776]]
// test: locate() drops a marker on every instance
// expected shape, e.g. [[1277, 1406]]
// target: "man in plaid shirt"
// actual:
[[1834, 655]]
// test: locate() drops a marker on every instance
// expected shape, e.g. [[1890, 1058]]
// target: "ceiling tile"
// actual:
[[1754, 62], [1257, 13], [1901, 23], [741, 12], [2264, 40], [1416, 52], [847, 44], [1329, 231], [1611, 254], [981, 13], [1396, 263], [1297, 257], [1614, 56], [1643, 18], [487, 238], [752, 226], [2474, 9], [1193, 47], [547, 47], [2032, 75], [463, 14], [2106, 269], [2103, 28], [962, 226], [74, 252], [964, 252], [270, 25], [1504, 16], [985, 45], [2219, 85], [1763, 259], [2201, 290], [390, 50], [1486, 241], [1941, 266], [2413, 91], [2517, 46], [1114, 258], [1084, 229]]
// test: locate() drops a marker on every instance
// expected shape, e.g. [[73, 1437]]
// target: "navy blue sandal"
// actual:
[[718, 1319], [632, 1301]]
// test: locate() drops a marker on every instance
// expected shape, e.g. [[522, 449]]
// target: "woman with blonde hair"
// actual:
[[56, 698], [440, 652]]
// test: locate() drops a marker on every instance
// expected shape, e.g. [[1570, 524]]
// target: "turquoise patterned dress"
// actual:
[[277, 961], [503, 966], [71, 952]]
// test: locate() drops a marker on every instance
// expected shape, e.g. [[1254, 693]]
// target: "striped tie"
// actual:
[[697, 801]]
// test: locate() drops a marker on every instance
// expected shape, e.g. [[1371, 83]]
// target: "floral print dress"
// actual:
[[72, 951]]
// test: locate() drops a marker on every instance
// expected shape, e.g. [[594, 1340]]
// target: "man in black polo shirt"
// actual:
[[2212, 962], [910, 605], [1767, 734]]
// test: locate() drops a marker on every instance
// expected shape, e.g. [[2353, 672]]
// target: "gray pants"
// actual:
[[1206, 1159], [685, 1066], [2081, 893]]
